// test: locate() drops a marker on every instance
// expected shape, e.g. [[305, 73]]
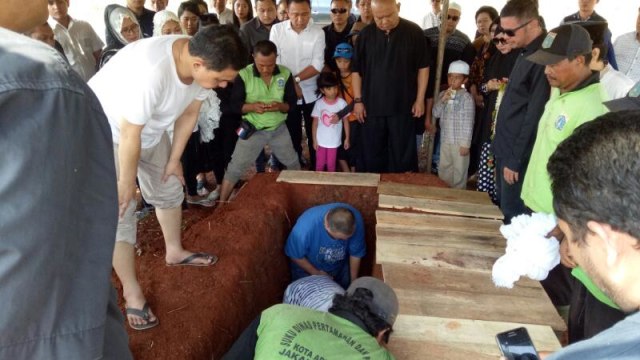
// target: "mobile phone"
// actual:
[[517, 345]]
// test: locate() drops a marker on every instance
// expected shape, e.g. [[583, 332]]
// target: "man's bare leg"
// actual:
[[226, 189], [171, 223], [124, 265]]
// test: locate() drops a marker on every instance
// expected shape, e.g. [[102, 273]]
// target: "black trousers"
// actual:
[[388, 144], [511, 204], [192, 162], [223, 144], [588, 316], [294, 124]]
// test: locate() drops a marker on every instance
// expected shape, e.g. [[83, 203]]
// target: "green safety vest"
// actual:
[[257, 91], [563, 113], [295, 332]]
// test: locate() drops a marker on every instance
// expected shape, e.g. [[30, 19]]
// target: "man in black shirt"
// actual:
[[258, 28], [338, 31], [586, 12], [522, 105], [143, 15], [390, 74]]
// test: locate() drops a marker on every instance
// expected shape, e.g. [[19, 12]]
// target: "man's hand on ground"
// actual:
[[174, 167], [126, 193], [510, 176]]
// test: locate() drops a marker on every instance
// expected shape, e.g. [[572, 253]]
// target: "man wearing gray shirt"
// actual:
[[58, 204]]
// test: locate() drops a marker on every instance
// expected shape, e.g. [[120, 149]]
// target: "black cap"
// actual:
[[384, 302], [629, 102], [596, 29], [563, 42]]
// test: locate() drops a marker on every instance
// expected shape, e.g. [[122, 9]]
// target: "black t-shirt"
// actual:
[[457, 47], [388, 65], [331, 40]]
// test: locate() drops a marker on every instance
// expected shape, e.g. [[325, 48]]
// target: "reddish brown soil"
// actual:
[[203, 310]]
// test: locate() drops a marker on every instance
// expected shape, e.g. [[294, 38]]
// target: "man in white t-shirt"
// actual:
[[145, 88], [80, 43], [433, 17]]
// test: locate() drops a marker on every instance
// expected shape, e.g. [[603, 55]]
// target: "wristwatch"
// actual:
[[297, 79], [357, 100]]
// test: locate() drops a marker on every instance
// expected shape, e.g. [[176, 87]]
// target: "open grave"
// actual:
[[203, 310], [434, 246]]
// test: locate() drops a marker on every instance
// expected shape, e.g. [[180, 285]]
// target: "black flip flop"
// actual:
[[144, 314], [188, 261]]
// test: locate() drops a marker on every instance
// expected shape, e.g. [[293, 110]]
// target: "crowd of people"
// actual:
[[523, 110]]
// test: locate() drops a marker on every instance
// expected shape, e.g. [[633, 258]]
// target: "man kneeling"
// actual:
[[263, 92]]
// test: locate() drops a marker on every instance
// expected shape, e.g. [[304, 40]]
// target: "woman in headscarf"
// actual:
[[122, 28], [166, 22]]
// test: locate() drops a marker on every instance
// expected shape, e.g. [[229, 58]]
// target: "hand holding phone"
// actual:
[[517, 345]]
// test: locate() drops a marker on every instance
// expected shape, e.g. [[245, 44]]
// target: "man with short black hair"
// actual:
[[59, 204], [522, 105], [597, 202], [337, 32], [576, 98], [143, 15], [262, 93], [167, 88], [322, 240], [258, 28], [586, 12], [80, 43], [159, 5], [301, 49]]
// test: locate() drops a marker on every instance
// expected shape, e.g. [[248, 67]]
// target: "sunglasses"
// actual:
[[512, 32], [339, 11], [454, 18], [497, 41]]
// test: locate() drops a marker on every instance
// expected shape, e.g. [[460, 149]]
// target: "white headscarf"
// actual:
[[116, 18], [161, 18]]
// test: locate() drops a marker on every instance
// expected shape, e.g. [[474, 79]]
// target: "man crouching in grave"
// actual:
[[321, 241]]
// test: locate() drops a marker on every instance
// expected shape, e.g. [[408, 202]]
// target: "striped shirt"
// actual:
[[627, 49], [315, 292], [456, 118]]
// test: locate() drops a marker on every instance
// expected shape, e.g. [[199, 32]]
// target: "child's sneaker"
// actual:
[[202, 190]]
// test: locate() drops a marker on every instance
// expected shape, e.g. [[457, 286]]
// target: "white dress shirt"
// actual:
[[616, 84], [226, 17], [430, 20], [79, 42], [297, 51], [627, 49]]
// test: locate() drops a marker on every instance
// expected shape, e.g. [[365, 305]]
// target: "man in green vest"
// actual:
[[357, 326], [263, 92], [576, 98]]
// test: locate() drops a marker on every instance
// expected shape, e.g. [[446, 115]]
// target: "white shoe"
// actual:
[[214, 195], [202, 191], [202, 202]]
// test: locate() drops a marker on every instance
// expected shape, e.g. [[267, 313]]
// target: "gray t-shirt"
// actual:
[[58, 211], [620, 342]]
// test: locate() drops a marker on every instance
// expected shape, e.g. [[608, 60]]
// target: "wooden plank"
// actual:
[[424, 337], [434, 193], [436, 256], [327, 178], [443, 238], [439, 207], [430, 222], [443, 292]]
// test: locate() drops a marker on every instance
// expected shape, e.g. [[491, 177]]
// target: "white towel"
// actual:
[[528, 251]]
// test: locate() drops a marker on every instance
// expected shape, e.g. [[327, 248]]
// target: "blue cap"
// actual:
[[343, 50]]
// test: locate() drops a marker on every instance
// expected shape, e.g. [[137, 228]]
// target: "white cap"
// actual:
[[455, 6], [459, 67]]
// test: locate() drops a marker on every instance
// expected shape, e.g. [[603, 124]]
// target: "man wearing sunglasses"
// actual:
[[338, 31], [522, 104]]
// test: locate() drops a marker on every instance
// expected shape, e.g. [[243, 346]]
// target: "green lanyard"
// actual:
[[579, 274]]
